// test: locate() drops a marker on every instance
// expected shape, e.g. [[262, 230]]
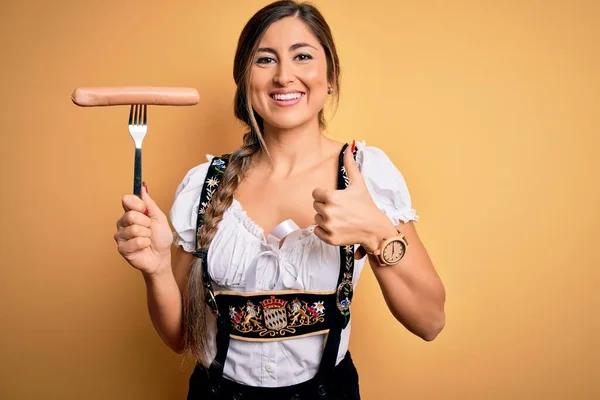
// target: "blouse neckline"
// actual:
[[256, 230]]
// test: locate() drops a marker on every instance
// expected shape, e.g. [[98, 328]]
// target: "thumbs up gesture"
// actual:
[[349, 216]]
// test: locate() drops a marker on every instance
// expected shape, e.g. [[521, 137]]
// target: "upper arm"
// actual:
[[181, 267]]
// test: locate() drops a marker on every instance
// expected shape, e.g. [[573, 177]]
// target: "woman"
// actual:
[[271, 239]]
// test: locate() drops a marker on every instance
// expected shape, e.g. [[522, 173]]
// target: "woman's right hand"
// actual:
[[144, 240]]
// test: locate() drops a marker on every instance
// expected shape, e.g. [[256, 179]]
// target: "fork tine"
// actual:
[[145, 114], [131, 114]]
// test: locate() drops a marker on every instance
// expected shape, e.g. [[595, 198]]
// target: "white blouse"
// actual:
[[303, 262]]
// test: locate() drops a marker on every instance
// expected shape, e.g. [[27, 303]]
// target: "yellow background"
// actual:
[[489, 108]]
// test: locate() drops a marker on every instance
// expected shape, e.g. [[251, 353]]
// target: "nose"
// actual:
[[284, 73]]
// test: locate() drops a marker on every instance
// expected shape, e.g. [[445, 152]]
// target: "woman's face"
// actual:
[[288, 81]]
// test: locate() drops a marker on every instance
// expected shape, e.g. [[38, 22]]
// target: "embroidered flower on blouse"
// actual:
[[345, 302], [319, 306], [348, 248]]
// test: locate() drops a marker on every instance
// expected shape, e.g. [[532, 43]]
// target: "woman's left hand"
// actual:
[[349, 216]]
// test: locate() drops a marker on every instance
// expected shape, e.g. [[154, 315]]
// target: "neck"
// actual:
[[292, 150]]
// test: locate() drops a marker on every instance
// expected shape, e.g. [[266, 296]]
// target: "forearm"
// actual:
[[416, 302], [412, 289], [165, 307]]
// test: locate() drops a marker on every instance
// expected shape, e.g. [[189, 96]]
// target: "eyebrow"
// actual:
[[292, 48]]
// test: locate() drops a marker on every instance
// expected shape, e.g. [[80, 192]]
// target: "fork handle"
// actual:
[[137, 173]]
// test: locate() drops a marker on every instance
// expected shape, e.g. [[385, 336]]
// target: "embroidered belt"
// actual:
[[267, 316]]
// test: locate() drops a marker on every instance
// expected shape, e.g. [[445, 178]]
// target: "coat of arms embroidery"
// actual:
[[275, 316]]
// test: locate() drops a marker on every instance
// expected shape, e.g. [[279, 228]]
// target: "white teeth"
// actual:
[[287, 96]]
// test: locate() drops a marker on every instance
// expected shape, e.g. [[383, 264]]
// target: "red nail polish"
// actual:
[[145, 187], [146, 211], [352, 149]]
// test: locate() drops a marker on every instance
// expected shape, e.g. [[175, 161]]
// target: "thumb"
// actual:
[[351, 168], [152, 209]]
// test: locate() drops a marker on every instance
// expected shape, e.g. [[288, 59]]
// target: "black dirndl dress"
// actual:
[[280, 315]]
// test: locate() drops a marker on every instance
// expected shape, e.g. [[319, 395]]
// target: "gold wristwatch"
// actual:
[[389, 252]]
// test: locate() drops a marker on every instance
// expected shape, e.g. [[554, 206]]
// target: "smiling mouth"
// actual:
[[287, 96]]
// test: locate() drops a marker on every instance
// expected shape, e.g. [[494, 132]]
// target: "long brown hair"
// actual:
[[196, 317]]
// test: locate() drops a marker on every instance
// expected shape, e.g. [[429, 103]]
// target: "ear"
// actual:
[[331, 88]]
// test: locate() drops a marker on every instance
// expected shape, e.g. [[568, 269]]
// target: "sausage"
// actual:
[[126, 95]]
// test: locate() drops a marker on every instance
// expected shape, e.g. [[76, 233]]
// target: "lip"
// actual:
[[284, 91], [286, 103]]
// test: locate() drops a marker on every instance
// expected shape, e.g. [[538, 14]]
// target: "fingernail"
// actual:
[[352, 149], [145, 187], [146, 211]]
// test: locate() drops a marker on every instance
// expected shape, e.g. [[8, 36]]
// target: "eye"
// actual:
[[304, 57], [265, 60]]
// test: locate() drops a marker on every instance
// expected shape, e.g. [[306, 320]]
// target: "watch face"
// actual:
[[393, 251]]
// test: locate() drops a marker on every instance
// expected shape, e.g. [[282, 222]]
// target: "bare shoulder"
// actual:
[[334, 147]]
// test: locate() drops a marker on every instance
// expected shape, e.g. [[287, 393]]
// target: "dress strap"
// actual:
[[214, 176], [345, 288], [343, 298]]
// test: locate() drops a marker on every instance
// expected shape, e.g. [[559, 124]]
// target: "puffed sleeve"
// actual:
[[184, 211], [385, 183]]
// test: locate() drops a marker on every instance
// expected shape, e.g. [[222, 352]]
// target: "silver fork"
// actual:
[[137, 130]]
